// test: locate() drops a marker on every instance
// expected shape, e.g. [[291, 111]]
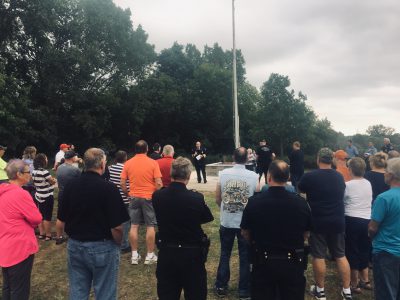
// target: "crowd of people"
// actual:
[[347, 210]]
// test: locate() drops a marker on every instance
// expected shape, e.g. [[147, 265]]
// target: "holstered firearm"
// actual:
[[205, 247]]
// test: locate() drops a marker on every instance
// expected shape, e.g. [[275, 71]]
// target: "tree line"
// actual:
[[80, 72]]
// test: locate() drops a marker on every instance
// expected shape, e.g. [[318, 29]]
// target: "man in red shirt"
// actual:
[[165, 164], [144, 178]]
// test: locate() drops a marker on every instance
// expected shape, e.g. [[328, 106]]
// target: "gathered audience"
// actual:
[[351, 215]]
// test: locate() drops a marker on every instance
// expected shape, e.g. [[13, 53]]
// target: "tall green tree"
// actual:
[[284, 116]]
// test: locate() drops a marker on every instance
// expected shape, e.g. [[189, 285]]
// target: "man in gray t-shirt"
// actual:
[[234, 188], [65, 173]]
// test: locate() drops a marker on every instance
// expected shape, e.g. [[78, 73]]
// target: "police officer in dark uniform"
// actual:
[[276, 223], [182, 244], [199, 154], [264, 157]]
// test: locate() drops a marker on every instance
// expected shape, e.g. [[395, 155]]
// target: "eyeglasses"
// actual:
[[25, 172]]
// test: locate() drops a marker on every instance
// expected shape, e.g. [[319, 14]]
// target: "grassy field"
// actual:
[[50, 280]]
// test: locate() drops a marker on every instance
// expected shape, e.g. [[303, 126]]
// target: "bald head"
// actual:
[[278, 173], [141, 147], [240, 155]]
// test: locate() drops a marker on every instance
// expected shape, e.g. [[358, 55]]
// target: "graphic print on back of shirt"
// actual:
[[235, 195]]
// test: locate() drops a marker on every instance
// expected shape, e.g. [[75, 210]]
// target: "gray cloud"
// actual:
[[343, 54]]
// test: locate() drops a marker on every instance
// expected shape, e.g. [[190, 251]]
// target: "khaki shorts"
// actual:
[[141, 211]]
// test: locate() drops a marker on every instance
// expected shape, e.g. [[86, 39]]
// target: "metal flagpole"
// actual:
[[235, 100]]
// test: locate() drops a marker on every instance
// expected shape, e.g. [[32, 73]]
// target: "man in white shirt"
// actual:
[[60, 155]]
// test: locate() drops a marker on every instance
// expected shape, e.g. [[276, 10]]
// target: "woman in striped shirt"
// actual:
[[44, 185]]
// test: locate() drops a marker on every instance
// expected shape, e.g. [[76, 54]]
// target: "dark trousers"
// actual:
[[17, 280], [227, 237], [357, 243], [278, 279], [386, 268], [202, 168], [181, 268], [295, 178]]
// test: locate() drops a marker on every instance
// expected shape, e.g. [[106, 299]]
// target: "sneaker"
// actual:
[[126, 250], [135, 259], [317, 295], [60, 240], [220, 292], [150, 259], [244, 297], [346, 296]]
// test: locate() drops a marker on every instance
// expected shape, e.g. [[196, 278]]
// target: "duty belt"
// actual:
[[296, 255]]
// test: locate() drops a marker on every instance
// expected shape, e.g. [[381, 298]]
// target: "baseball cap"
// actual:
[[3, 147], [62, 146], [340, 154], [69, 154], [325, 155]]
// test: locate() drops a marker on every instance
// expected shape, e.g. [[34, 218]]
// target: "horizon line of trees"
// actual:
[[79, 72]]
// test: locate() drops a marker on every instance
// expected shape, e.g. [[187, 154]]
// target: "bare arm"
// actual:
[[258, 187], [124, 189], [246, 235], [158, 182], [117, 234], [218, 196], [52, 180], [373, 228]]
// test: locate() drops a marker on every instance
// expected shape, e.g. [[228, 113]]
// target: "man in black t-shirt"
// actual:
[[387, 146], [276, 222], [156, 154], [182, 252], [325, 190], [264, 157], [92, 212]]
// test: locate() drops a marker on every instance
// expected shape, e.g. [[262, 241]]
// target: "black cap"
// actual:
[[3, 147], [69, 154]]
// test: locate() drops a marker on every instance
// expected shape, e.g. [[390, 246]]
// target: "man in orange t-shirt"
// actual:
[[144, 178], [165, 164], [341, 166]]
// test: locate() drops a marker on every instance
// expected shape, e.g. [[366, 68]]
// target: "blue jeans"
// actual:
[[126, 227], [94, 263], [227, 237], [386, 276]]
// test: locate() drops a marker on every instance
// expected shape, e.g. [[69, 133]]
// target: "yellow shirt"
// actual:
[[3, 174]]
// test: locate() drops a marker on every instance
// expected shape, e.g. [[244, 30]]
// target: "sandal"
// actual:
[[355, 289], [41, 237], [48, 238], [366, 285]]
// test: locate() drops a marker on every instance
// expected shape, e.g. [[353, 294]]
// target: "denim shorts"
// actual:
[[321, 242], [141, 211]]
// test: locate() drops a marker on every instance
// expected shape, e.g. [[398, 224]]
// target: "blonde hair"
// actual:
[[29, 152], [378, 160]]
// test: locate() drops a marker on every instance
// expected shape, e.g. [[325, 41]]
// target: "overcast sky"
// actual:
[[344, 55]]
